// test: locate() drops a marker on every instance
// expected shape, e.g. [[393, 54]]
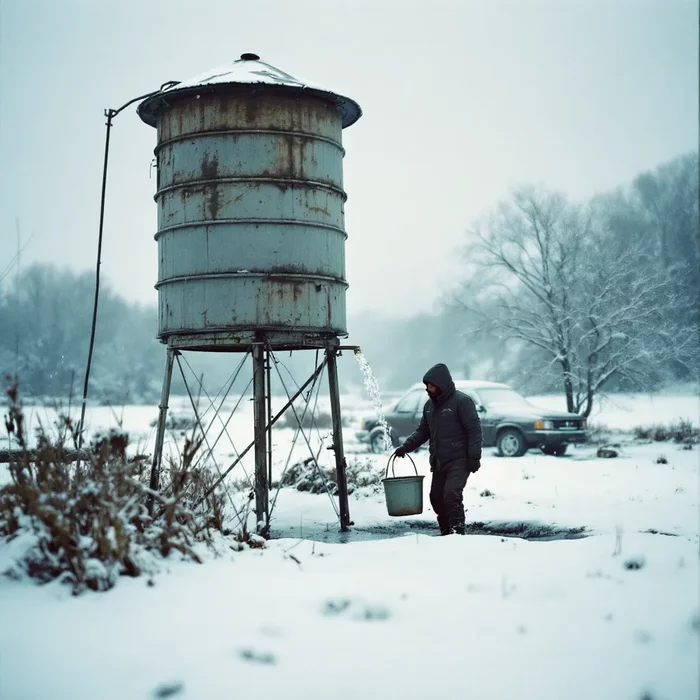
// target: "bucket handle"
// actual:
[[392, 461]]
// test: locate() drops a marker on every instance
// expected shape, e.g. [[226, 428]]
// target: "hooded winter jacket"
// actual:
[[450, 422]]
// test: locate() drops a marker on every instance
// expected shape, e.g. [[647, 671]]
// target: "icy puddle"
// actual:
[[529, 530]]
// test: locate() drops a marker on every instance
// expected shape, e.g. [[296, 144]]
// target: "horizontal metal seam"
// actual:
[[313, 331], [282, 276], [229, 132], [309, 184], [274, 222], [178, 337]]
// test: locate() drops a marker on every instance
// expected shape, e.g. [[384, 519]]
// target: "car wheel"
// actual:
[[511, 443], [556, 450]]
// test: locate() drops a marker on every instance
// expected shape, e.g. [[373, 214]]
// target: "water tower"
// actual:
[[251, 234]]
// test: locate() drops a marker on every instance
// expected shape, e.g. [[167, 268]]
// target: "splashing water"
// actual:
[[372, 387]]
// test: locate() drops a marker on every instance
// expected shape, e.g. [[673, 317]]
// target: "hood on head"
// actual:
[[440, 376]]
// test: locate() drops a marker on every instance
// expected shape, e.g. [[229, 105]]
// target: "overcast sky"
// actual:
[[462, 101]]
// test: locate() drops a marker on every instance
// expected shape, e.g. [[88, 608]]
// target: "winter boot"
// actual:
[[445, 528]]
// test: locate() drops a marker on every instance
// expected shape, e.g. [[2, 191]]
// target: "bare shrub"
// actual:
[[682, 432], [642, 432], [598, 434], [308, 475], [89, 520]]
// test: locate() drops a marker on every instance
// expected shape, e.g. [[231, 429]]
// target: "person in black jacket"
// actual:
[[451, 423]]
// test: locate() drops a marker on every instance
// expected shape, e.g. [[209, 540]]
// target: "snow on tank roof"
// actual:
[[248, 70]]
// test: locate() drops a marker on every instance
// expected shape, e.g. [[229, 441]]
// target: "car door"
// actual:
[[489, 421], [406, 415]]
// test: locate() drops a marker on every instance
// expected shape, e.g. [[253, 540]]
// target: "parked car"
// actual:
[[509, 421]]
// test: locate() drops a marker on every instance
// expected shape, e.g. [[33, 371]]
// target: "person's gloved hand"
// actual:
[[474, 465], [400, 451]]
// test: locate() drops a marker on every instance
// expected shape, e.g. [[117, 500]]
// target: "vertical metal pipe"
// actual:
[[268, 383], [340, 464], [259, 430], [109, 113], [160, 431]]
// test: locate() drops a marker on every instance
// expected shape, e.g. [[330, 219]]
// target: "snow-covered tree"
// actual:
[[547, 273]]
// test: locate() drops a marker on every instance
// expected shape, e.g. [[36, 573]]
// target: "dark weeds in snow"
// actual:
[[486, 493], [661, 459], [682, 432], [357, 610], [335, 606], [257, 657], [309, 476], [652, 531], [635, 563], [88, 520]]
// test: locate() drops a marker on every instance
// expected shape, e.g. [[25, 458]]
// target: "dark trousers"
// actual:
[[446, 496]]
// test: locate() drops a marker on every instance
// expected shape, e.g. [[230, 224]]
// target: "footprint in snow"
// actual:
[[356, 609]]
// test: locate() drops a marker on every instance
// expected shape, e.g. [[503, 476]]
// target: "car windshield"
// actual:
[[502, 396]]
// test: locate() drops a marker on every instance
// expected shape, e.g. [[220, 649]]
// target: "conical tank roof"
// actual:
[[247, 70]]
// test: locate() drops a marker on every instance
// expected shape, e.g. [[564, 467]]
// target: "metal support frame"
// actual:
[[162, 417], [337, 447], [260, 431], [263, 421], [275, 418], [268, 381]]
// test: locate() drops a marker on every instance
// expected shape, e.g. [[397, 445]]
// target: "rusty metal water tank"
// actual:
[[251, 232]]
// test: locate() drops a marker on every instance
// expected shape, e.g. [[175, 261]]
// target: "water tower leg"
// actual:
[[340, 464], [162, 416], [260, 436]]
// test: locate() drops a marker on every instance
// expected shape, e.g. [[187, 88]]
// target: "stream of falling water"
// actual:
[[372, 387]]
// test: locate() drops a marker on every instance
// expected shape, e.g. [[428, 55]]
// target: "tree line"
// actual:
[[556, 296], [582, 298]]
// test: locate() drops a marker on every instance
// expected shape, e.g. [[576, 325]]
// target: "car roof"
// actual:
[[461, 384]]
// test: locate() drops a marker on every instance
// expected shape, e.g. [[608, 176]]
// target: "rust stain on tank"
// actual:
[[210, 171], [262, 156], [210, 167]]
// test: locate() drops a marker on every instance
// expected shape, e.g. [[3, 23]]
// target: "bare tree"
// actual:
[[542, 271]]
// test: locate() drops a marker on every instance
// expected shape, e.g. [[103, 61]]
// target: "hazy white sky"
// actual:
[[462, 101]]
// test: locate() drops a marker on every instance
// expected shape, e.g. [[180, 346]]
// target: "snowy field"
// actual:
[[579, 579]]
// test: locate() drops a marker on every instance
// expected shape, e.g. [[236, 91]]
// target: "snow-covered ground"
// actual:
[[603, 603]]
